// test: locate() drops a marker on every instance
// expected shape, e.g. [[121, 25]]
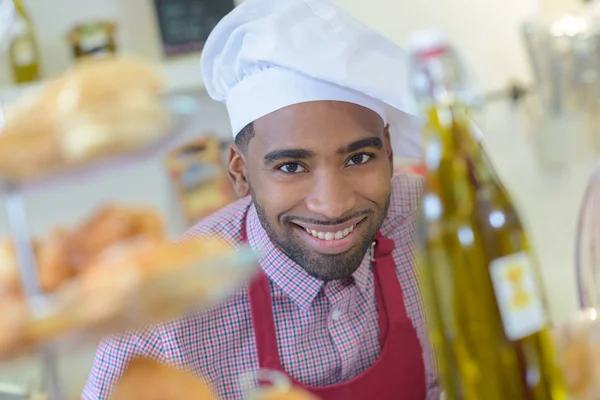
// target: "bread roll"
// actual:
[[145, 379], [109, 104], [99, 107], [291, 394]]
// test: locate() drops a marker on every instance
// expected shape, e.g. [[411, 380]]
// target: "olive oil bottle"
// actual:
[[24, 54], [485, 303]]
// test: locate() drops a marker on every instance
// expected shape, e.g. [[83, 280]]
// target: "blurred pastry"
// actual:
[[9, 269], [64, 254], [152, 274], [578, 350], [145, 379], [114, 272], [111, 225], [148, 258], [99, 107], [109, 104], [53, 260], [12, 324], [291, 394]]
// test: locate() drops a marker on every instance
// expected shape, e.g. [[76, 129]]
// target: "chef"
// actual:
[[317, 103]]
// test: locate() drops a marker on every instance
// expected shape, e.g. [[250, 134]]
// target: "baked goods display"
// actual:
[[98, 108], [116, 271]]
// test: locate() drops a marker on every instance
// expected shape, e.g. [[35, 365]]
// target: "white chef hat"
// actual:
[[269, 54]]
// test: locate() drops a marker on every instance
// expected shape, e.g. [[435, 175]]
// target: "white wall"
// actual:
[[487, 31]]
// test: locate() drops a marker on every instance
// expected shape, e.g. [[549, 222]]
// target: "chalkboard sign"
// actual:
[[185, 24]]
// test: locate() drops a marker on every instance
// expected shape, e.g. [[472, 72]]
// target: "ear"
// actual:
[[237, 172], [388, 146]]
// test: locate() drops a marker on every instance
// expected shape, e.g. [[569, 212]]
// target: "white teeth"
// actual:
[[331, 235]]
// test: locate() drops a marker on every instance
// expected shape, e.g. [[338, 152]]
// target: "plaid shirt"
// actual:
[[327, 333]]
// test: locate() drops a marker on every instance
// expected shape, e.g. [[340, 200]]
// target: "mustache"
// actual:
[[339, 221]]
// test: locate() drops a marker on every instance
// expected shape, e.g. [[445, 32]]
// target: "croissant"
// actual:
[[111, 225]]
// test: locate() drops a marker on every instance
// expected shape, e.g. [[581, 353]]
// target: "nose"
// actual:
[[331, 196]]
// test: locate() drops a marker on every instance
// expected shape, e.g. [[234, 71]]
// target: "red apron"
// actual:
[[398, 373]]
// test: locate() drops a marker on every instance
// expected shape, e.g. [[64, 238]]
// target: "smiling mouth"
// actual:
[[330, 234]]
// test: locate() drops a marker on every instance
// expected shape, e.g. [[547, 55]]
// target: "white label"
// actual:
[[518, 295]]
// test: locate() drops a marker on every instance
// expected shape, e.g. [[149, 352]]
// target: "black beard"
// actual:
[[325, 267]]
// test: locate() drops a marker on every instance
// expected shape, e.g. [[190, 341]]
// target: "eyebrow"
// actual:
[[296, 154], [361, 144], [301, 154]]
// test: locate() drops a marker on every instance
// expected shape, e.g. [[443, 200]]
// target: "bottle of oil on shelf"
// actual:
[[485, 302], [24, 54]]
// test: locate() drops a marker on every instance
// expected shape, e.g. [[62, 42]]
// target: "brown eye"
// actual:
[[292, 168], [359, 159]]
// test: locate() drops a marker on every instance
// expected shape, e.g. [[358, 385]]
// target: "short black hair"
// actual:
[[242, 140]]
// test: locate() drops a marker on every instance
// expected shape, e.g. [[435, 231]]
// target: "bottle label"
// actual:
[[24, 52], [518, 295], [94, 40]]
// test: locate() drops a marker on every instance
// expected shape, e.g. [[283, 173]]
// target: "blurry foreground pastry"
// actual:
[[145, 379], [99, 107], [110, 225], [291, 394], [151, 271], [115, 272]]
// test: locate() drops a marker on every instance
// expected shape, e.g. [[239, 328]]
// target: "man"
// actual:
[[315, 100]]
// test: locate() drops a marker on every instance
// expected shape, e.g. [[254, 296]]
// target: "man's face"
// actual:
[[319, 174]]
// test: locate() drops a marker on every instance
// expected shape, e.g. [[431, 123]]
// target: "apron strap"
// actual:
[[264, 324], [262, 317], [390, 301], [381, 306]]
